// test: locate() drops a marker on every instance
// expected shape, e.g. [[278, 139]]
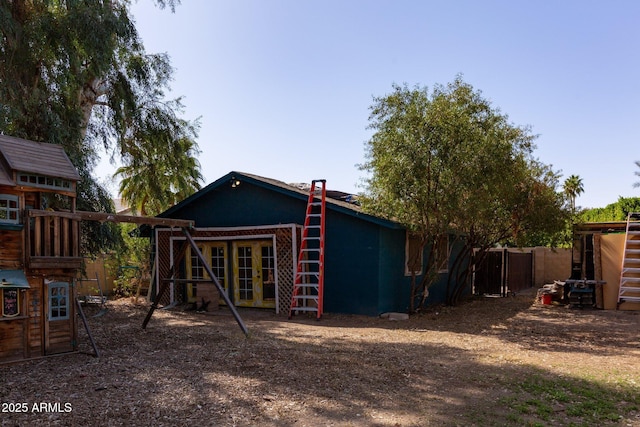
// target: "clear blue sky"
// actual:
[[283, 87]]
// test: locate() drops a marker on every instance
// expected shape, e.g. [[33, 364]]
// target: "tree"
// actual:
[[572, 188], [77, 74], [155, 180], [447, 162], [617, 211]]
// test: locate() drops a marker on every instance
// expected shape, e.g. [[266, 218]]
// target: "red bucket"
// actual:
[[546, 299]]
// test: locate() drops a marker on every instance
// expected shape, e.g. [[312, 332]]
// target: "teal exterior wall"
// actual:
[[351, 278], [394, 288], [364, 255]]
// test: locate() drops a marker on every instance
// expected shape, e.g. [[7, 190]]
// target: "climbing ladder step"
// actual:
[[308, 309]]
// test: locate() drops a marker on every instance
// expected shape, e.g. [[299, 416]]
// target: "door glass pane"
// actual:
[[245, 273], [58, 302], [217, 263], [197, 272], [268, 274]]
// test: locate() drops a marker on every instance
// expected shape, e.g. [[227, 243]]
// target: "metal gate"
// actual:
[[502, 272]]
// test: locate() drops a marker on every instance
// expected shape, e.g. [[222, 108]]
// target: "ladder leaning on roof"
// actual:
[[308, 286], [630, 272]]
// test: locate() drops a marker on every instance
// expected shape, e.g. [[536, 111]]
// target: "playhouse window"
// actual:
[[9, 209], [58, 301], [10, 299], [44, 181]]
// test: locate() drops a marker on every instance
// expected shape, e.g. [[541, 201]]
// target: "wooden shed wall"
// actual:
[[11, 250]]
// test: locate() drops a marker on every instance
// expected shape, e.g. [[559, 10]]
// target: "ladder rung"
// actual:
[[629, 299], [303, 285], [307, 294], [293, 309], [633, 292], [630, 270], [306, 297]]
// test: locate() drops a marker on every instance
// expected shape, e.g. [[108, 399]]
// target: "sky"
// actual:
[[283, 87]]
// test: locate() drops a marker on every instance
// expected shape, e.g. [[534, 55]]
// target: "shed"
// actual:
[[598, 249], [250, 226]]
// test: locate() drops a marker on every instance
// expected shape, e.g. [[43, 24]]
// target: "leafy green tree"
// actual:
[[617, 211], [445, 162], [76, 73]]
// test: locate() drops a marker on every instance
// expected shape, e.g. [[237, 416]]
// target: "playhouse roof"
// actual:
[[21, 155]]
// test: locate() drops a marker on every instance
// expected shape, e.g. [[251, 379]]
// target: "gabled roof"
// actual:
[[39, 158], [283, 188]]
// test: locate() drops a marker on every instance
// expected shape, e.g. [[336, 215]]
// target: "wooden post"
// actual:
[[165, 284], [216, 282], [86, 326]]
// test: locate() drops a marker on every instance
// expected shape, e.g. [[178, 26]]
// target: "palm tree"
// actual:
[[161, 171], [572, 188]]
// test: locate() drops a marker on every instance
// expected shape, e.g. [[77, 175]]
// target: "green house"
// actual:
[[250, 228]]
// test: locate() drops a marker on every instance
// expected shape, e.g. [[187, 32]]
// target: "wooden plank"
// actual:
[[55, 262], [46, 243], [56, 236], [75, 239], [108, 217], [26, 244], [66, 238], [27, 329], [37, 237]]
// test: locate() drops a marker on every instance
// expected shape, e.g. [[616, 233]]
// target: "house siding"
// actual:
[[364, 255], [395, 287]]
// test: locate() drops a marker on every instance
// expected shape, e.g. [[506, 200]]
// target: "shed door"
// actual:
[[488, 276], [60, 318], [520, 271], [254, 273]]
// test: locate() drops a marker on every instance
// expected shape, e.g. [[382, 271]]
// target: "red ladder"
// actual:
[[308, 286]]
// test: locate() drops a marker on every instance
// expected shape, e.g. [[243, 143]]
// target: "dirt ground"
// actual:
[[470, 365]]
